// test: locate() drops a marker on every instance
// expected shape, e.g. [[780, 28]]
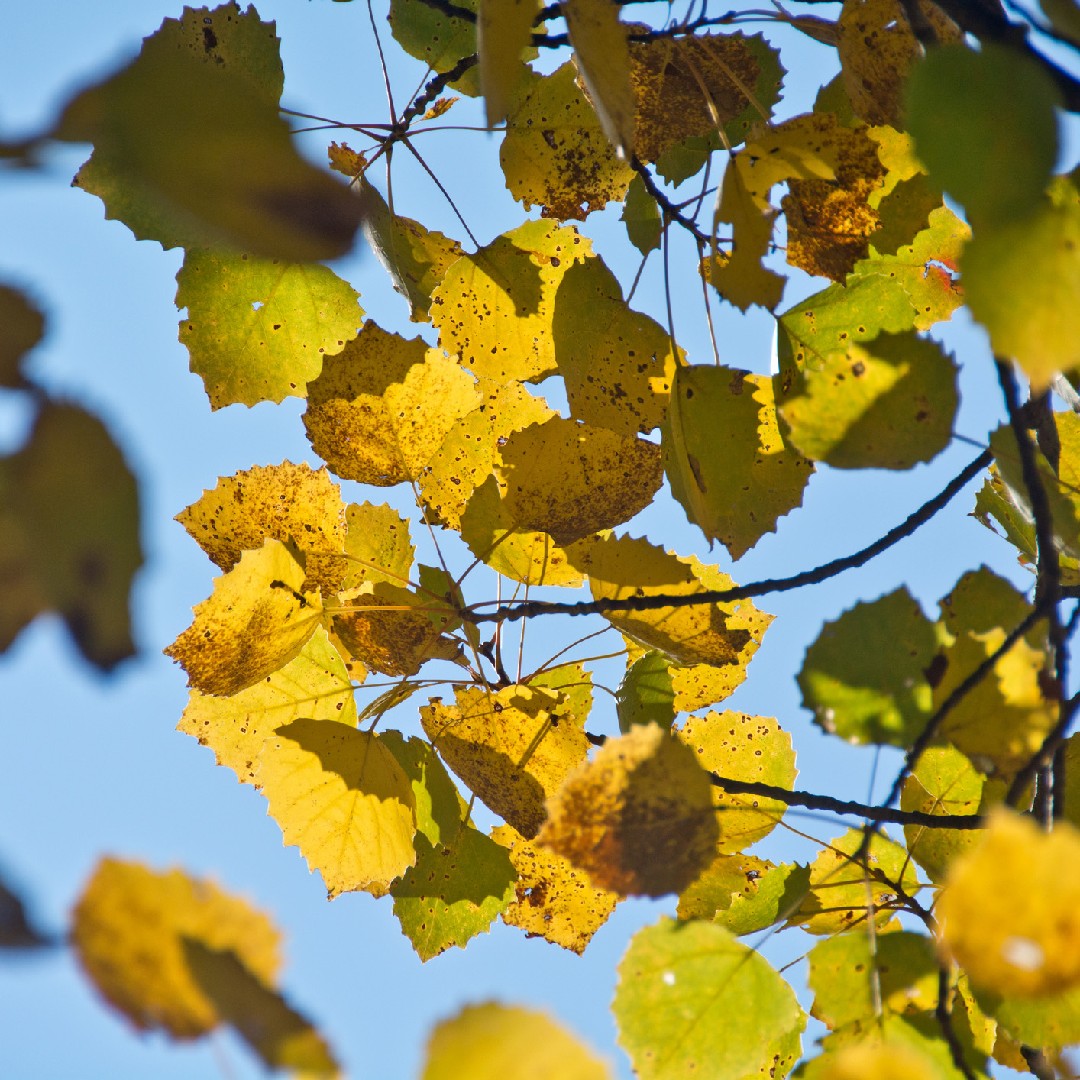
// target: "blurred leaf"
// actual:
[[17, 929], [23, 327], [503, 32]]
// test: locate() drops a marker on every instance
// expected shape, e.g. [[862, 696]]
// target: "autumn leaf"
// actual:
[[24, 327], [503, 31]]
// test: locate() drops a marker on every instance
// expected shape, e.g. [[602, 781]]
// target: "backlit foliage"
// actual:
[[376, 701]]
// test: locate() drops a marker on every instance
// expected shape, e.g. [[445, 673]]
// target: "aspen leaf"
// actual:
[[887, 404], [454, 892], [713, 891], [646, 694], [470, 449], [903, 212], [24, 327], [724, 635], [844, 970], [864, 678], [638, 818], [313, 685], [602, 56], [570, 479], [971, 113], [683, 993], [552, 899], [503, 31], [743, 747], [555, 154], [382, 406], [573, 683], [841, 890], [725, 458], [257, 329], [438, 40], [876, 1059], [341, 797], [377, 546], [261, 1016], [494, 309], [769, 895], [415, 257], [617, 363], [492, 1042], [291, 503], [129, 929], [255, 622], [1048, 1021], [512, 748], [343, 159], [69, 523], [943, 782], [1009, 934], [165, 129], [641, 212], [439, 808]]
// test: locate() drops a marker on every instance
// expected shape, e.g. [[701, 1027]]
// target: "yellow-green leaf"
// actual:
[[437, 39], [503, 31], [128, 932], [257, 329], [683, 991], [314, 685], [377, 545], [646, 694], [725, 458], [255, 621], [69, 522], [440, 810], [639, 818], [341, 797], [492, 1042]]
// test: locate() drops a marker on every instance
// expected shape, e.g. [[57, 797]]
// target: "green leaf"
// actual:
[[190, 150], [454, 892], [642, 216], [645, 695], [680, 988], [440, 810], [771, 894], [985, 127], [889, 403], [257, 329], [69, 534], [435, 38], [865, 677]]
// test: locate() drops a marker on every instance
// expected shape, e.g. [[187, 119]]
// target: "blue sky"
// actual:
[[94, 766]]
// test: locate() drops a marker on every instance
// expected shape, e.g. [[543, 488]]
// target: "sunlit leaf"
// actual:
[[24, 327], [845, 893], [865, 677], [512, 747], [553, 899], [128, 931], [874, 1058], [639, 818], [257, 329], [314, 685], [683, 991], [725, 458], [770, 895], [714, 891], [1010, 935], [742, 747], [554, 153], [570, 479], [341, 797], [503, 30], [494, 309], [724, 635], [454, 892], [166, 129], [415, 257], [377, 545], [255, 621], [69, 534], [492, 1042], [382, 406]]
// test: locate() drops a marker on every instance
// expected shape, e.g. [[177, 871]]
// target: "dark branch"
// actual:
[[530, 608], [436, 86], [943, 1013]]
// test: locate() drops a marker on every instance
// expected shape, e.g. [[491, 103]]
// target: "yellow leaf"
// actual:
[[742, 747], [877, 1060], [602, 55], [494, 309], [128, 931], [723, 635], [617, 363], [725, 458], [292, 503], [503, 31], [344, 159], [570, 480], [493, 1042], [341, 797], [382, 406], [313, 685], [554, 900], [554, 153], [1010, 910], [639, 818], [255, 621], [377, 546], [512, 748]]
